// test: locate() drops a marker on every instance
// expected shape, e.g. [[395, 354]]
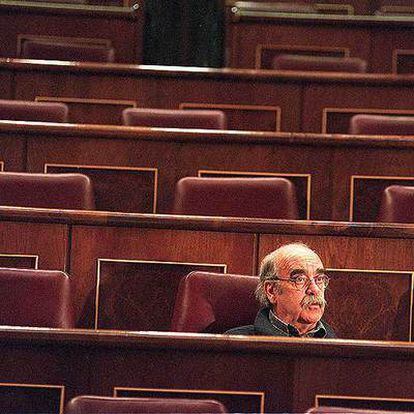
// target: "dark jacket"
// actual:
[[262, 326]]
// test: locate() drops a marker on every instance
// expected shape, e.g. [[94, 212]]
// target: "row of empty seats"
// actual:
[[361, 124], [271, 198]]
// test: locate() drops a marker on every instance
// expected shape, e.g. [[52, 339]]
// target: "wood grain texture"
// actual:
[[90, 244], [289, 371], [48, 241]]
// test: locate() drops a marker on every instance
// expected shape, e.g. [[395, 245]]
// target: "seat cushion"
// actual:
[[112, 405], [33, 111], [365, 124], [174, 118], [39, 298], [397, 204], [273, 198], [214, 302], [63, 191]]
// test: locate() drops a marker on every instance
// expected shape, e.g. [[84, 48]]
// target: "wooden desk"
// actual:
[[337, 177], [246, 374], [301, 98], [121, 26], [255, 36], [129, 264]]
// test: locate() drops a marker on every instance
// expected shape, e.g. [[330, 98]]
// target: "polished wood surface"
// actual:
[[335, 166], [302, 97], [288, 373], [123, 26], [130, 264], [366, 37]]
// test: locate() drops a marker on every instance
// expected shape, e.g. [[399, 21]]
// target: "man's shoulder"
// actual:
[[241, 330], [329, 331]]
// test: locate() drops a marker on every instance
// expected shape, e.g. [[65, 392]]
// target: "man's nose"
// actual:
[[312, 287]]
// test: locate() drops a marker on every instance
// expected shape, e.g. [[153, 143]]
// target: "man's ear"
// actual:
[[272, 291]]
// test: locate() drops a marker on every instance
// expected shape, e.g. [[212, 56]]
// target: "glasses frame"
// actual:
[[306, 285]]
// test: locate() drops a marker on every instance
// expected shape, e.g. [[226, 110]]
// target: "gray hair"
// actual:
[[269, 268]]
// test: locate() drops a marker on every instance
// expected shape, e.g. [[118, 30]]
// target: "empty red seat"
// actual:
[[114, 405], [365, 124], [214, 302], [39, 298], [60, 191], [69, 51], [272, 198], [33, 111], [318, 63], [174, 118], [397, 205]]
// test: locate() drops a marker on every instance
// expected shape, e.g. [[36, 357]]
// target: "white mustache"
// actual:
[[309, 300]]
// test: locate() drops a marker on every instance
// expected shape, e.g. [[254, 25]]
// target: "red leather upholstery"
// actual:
[[318, 63], [174, 118], [110, 405], [273, 198], [38, 298], [49, 50], [33, 111], [65, 191], [397, 205], [381, 125], [214, 302]]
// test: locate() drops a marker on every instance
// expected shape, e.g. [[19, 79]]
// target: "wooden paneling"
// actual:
[[122, 26], [337, 120], [288, 372], [329, 161], [31, 398], [144, 290], [385, 313], [366, 195], [47, 241], [130, 190], [89, 244], [301, 97], [345, 252], [245, 117], [92, 111], [372, 38]]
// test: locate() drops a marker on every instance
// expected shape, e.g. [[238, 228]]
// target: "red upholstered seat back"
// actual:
[[112, 405], [214, 302], [272, 198], [33, 111], [318, 63], [42, 49], [381, 125], [174, 118], [38, 298], [64, 191], [397, 205]]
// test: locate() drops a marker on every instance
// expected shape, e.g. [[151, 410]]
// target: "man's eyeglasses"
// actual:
[[302, 282]]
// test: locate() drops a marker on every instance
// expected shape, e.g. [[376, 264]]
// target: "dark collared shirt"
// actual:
[[319, 331]]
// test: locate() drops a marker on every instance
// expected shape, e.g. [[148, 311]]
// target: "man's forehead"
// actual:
[[300, 259]]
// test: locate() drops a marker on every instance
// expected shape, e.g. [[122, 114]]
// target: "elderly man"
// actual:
[[292, 291]]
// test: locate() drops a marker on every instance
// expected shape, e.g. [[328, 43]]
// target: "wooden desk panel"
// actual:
[[289, 372], [236, 252], [373, 38], [302, 97], [122, 26], [48, 242]]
